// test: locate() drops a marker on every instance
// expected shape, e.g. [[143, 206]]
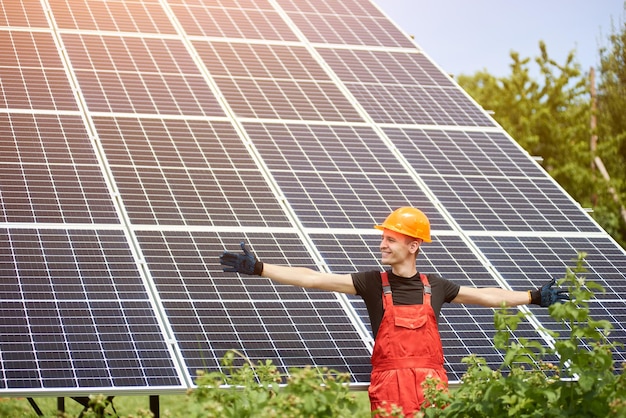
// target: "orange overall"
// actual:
[[407, 349]]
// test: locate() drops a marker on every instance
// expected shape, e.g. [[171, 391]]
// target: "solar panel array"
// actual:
[[141, 138]]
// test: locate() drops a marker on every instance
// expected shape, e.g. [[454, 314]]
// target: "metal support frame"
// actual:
[[32, 403], [154, 406], [84, 401]]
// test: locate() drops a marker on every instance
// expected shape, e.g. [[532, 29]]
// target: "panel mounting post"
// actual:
[[154, 405]]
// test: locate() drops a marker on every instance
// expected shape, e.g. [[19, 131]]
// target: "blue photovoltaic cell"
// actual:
[[112, 16], [488, 184], [338, 177], [173, 172], [139, 75], [75, 313], [49, 172], [384, 67], [212, 312], [417, 105], [402, 87], [32, 74], [510, 204], [349, 22], [529, 261], [250, 20], [275, 82], [457, 153]]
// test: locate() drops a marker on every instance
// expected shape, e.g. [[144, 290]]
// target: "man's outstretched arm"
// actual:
[[494, 297], [247, 263]]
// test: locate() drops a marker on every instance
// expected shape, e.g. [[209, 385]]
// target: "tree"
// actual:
[[550, 119], [544, 118], [611, 150]]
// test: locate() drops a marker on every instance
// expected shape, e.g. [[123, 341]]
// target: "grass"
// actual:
[[124, 406]]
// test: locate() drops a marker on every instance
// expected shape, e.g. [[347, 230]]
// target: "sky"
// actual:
[[466, 36]]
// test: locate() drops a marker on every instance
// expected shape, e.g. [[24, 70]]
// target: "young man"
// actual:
[[403, 306]]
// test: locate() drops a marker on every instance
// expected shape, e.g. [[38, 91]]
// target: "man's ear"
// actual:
[[414, 246]]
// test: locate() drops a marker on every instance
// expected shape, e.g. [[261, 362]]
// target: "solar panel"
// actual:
[[212, 312], [75, 314], [141, 138]]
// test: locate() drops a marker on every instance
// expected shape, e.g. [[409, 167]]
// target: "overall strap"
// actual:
[[385, 279], [427, 288], [387, 300], [387, 287]]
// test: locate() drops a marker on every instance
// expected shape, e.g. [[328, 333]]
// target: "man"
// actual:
[[403, 306]]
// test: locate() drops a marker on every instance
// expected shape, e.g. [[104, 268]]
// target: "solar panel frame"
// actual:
[[21, 14], [356, 24], [112, 16], [166, 83], [226, 22], [180, 135], [49, 173]]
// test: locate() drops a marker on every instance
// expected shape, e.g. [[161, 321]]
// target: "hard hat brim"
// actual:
[[382, 228]]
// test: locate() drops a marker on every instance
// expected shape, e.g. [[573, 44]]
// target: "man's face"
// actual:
[[396, 247]]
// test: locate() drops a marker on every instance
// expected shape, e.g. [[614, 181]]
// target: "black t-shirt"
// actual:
[[405, 291]]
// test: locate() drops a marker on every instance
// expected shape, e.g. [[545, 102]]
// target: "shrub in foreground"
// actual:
[[256, 391], [574, 378]]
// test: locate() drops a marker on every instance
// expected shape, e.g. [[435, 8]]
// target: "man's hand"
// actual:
[[245, 263], [546, 295]]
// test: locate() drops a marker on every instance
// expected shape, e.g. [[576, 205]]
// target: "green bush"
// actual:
[[256, 391], [583, 384]]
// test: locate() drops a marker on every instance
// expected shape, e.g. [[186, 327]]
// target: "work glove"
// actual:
[[546, 295], [245, 263]]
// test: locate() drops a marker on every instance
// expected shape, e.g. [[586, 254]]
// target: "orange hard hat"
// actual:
[[408, 221]]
